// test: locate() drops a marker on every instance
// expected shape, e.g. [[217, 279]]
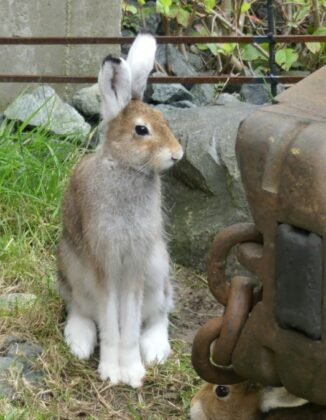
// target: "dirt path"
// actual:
[[194, 304]]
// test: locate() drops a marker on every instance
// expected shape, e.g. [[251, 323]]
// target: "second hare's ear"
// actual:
[[114, 82], [279, 397], [141, 58]]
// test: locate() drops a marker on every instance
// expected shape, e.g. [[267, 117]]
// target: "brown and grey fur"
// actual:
[[112, 259]]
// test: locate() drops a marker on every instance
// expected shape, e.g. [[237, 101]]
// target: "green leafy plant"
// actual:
[[241, 17], [286, 57]]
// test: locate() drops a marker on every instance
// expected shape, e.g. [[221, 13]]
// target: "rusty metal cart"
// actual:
[[275, 333]]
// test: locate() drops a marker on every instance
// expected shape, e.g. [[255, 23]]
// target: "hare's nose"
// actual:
[[177, 155]]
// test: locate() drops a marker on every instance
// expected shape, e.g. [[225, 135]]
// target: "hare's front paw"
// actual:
[[132, 374], [109, 371], [80, 336], [155, 346]]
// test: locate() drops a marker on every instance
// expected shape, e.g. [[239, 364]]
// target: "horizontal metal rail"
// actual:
[[23, 78], [10, 78], [246, 39]]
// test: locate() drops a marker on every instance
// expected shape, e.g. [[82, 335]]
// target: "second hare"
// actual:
[[113, 264]]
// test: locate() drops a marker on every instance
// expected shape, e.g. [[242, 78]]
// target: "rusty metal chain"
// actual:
[[241, 233], [215, 342]]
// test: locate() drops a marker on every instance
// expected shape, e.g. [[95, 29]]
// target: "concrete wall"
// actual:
[[55, 18]]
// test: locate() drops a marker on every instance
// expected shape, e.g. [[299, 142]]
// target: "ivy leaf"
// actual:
[[130, 8], [183, 17], [141, 2], [250, 53], [201, 30], [209, 5], [202, 47], [213, 48], [245, 7], [286, 57], [226, 49], [313, 47], [163, 6]]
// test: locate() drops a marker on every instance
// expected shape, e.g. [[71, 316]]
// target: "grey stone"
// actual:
[[226, 98], [170, 58], [196, 61], [25, 350], [10, 300], [35, 378], [258, 94], [148, 21], [96, 137], [204, 191], [43, 107], [203, 94], [194, 219], [9, 339], [87, 101], [6, 390], [152, 19], [9, 364], [164, 107], [183, 104], [9, 368], [170, 93], [20, 355]]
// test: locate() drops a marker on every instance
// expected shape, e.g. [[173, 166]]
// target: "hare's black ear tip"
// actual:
[[112, 59]]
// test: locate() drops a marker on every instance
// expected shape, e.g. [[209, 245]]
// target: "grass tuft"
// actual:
[[34, 168]]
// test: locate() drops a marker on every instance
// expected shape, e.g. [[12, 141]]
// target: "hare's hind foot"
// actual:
[[129, 371], [133, 374], [154, 344], [80, 335], [110, 371]]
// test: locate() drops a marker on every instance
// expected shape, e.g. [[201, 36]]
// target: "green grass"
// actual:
[[34, 169]]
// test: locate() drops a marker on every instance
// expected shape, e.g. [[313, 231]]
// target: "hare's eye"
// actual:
[[141, 130], [222, 391]]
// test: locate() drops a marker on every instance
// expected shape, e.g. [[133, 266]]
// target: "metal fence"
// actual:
[[272, 77]]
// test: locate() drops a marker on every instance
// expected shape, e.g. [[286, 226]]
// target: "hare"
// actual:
[[246, 401], [113, 264]]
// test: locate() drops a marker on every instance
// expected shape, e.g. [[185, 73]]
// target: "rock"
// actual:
[[43, 107], [255, 94], [226, 98], [24, 350], [96, 137], [195, 60], [170, 93], [9, 369], [126, 32], [183, 104], [20, 355], [19, 300], [259, 94], [203, 93], [152, 19], [204, 191], [170, 58], [87, 101]]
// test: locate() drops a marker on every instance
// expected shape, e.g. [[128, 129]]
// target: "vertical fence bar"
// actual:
[[271, 46]]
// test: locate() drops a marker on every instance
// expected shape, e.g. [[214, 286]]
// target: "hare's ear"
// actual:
[[279, 397], [114, 82], [141, 58]]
